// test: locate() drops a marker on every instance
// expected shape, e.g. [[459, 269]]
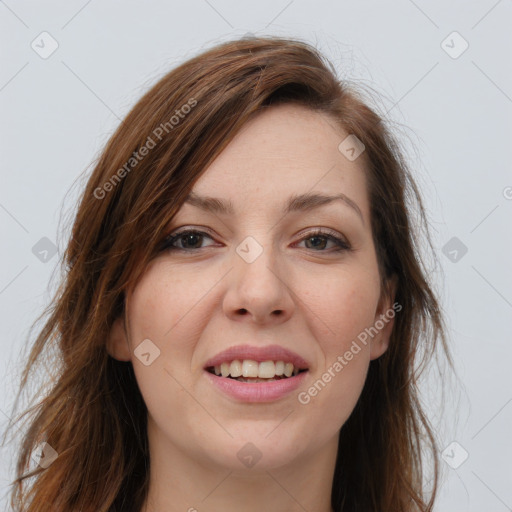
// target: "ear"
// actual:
[[384, 318], [117, 343]]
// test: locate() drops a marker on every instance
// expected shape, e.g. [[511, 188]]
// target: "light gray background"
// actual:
[[57, 114]]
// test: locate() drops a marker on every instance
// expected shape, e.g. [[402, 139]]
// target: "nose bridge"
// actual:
[[256, 288], [255, 264]]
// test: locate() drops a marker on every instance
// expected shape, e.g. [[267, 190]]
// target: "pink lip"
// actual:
[[259, 354], [256, 391]]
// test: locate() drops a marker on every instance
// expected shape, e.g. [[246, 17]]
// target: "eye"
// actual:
[[319, 239], [192, 239], [185, 240]]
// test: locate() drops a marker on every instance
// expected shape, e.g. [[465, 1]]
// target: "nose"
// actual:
[[258, 292]]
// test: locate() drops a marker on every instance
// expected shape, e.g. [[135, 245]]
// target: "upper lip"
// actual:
[[259, 354]]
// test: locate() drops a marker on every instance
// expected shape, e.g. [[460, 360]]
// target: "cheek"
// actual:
[[343, 303], [160, 309], [167, 309]]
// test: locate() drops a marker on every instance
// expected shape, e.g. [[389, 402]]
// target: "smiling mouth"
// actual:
[[253, 372]]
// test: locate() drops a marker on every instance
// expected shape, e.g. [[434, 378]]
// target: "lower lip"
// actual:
[[257, 391]]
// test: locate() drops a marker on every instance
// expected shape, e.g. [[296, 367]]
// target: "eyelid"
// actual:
[[324, 231], [184, 229]]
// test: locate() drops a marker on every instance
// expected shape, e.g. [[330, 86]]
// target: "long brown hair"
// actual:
[[93, 414]]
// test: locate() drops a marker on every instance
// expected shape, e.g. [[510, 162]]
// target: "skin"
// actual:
[[193, 304]]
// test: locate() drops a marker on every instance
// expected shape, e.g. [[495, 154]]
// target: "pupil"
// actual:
[[191, 237], [322, 241]]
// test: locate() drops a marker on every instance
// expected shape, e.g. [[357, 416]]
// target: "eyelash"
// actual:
[[341, 245]]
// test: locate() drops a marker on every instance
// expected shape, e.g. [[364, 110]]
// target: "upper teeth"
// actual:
[[250, 368]]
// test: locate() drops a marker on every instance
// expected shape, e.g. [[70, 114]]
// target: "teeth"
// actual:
[[249, 369], [236, 368], [267, 370], [224, 369]]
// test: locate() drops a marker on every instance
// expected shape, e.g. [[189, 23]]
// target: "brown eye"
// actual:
[[185, 240], [315, 245], [318, 240]]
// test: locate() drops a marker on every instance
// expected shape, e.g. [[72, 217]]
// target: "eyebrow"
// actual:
[[297, 202]]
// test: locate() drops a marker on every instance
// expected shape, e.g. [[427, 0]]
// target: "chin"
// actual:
[[256, 452]]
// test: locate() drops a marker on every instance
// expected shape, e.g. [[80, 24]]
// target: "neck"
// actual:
[[184, 483]]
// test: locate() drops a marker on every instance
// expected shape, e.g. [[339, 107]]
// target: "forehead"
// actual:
[[284, 150]]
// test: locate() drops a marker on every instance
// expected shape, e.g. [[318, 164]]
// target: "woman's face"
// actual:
[[257, 274]]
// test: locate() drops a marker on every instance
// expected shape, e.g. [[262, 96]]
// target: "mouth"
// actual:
[[249, 370], [249, 373]]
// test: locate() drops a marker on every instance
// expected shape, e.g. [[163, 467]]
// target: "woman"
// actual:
[[244, 307]]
